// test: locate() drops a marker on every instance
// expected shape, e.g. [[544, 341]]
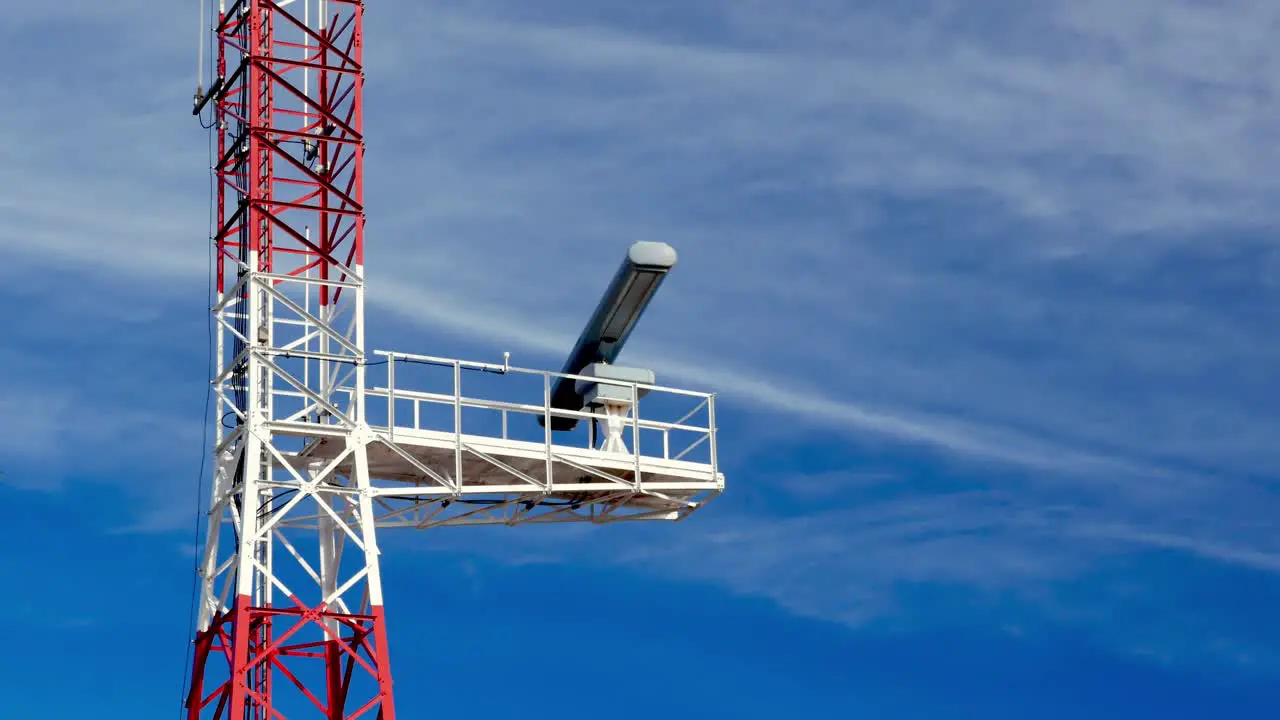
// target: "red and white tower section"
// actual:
[[319, 444]]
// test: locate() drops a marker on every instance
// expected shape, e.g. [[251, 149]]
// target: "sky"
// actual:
[[985, 290]]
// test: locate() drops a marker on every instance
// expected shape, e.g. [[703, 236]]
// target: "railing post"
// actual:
[[546, 416], [711, 428], [635, 428], [391, 395], [457, 424]]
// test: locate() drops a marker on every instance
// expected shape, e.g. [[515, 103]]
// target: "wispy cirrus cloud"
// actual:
[[1032, 236], [29, 425], [790, 164], [948, 225], [876, 553]]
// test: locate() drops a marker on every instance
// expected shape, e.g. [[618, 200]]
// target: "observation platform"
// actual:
[[449, 452]]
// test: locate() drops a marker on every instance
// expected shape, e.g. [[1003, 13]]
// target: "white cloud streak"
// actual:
[[985, 443], [1027, 234], [881, 557], [1055, 315], [779, 140]]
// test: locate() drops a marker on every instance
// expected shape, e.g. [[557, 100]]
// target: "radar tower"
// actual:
[[320, 446]]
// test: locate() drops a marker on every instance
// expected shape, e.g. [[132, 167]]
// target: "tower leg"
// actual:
[[315, 654]]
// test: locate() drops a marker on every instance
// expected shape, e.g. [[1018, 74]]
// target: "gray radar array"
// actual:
[[633, 286]]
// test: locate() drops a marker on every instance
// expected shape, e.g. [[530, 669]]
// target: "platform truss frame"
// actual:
[[449, 473]]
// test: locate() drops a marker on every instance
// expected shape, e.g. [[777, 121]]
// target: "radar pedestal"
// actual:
[[611, 393]]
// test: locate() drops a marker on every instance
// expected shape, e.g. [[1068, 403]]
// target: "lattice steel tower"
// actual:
[[311, 456]]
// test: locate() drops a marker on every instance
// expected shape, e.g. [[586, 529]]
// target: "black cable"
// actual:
[[264, 512], [212, 123], [187, 667]]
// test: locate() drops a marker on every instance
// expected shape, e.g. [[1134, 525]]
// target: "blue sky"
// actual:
[[987, 294]]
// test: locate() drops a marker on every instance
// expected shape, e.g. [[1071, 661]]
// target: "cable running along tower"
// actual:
[[313, 454]]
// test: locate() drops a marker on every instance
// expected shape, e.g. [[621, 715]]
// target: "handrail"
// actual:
[[482, 404], [506, 369], [391, 394]]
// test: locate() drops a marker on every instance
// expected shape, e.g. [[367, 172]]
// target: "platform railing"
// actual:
[[684, 420]]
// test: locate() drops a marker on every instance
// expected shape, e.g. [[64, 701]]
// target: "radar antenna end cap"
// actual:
[[647, 253]]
